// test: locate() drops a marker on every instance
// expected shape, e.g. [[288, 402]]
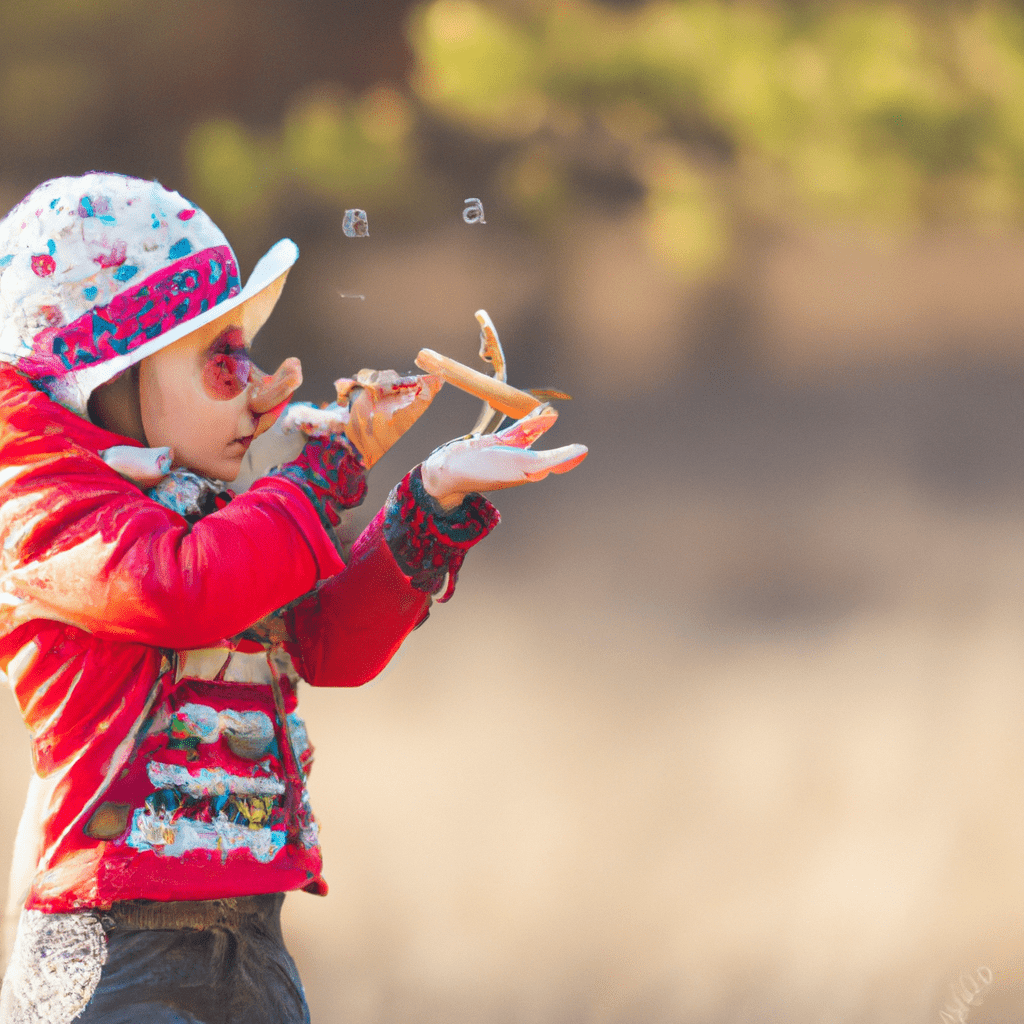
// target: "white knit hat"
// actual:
[[100, 271]]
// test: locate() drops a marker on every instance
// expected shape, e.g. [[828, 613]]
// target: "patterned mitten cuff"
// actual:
[[331, 473], [429, 543]]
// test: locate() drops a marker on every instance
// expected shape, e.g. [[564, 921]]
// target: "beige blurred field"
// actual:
[[725, 726], [569, 803]]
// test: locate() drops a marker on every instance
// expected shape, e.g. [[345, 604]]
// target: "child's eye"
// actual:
[[228, 367]]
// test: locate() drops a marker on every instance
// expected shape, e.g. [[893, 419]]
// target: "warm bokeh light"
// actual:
[[723, 726]]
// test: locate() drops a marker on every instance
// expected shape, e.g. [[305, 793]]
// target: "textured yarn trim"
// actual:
[[331, 473], [55, 967], [190, 495], [429, 543]]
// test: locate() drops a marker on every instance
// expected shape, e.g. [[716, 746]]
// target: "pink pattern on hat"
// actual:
[[43, 266], [163, 300], [115, 257], [76, 245], [100, 271]]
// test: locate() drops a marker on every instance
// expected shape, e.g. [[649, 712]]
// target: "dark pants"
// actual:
[[214, 962]]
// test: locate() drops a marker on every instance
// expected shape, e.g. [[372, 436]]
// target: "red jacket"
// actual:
[[175, 771]]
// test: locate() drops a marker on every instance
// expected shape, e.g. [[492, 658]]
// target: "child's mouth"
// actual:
[[243, 441]]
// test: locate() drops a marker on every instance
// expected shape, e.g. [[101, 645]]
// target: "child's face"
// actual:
[[195, 396]]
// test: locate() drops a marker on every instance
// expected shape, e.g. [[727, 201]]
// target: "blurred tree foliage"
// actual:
[[705, 117], [123, 85]]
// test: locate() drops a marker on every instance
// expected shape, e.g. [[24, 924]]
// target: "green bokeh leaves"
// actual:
[[477, 67], [714, 114], [345, 151]]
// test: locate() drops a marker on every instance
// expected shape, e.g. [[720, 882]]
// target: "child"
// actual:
[[154, 627]]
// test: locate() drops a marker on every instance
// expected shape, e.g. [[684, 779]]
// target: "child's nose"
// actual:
[[247, 422]]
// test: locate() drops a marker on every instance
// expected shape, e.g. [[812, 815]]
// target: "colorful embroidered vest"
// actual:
[[212, 802]]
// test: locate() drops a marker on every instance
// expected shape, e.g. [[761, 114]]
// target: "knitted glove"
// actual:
[[429, 543], [332, 474]]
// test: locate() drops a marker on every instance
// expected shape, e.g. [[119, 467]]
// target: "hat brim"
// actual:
[[257, 299]]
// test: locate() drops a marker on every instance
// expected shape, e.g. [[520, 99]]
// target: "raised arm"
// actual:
[[81, 545], [353, 624]]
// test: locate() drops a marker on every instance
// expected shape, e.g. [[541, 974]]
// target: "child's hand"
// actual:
[[346, 439], [382, 406], [373, 411], [491, 462]]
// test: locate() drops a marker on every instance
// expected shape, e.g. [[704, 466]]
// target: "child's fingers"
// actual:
[[524, 432], [514, 466], [465, 467], [558, 460], [385, 384], [520, 434], [402, 403]]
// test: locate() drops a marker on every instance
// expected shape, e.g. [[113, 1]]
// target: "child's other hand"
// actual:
[[373, 411], [491, 462], [381, 407]]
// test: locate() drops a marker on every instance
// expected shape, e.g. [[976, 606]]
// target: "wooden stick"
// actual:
[[509, 400]]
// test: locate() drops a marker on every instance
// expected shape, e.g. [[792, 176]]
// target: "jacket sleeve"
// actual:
[[81, 545], [353, 624], [86, 548]]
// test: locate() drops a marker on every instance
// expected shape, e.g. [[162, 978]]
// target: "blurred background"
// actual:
[[724, 726]]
